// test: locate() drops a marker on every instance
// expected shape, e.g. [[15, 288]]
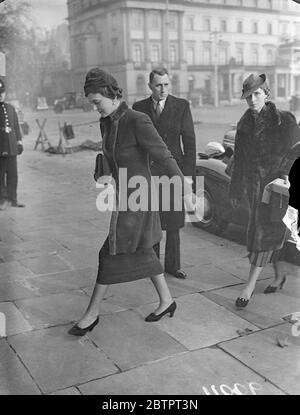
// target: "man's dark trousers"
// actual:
[[172, 251], [8, 178]]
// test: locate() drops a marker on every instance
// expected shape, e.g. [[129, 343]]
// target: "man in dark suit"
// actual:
[[10, 146], [173, 121]]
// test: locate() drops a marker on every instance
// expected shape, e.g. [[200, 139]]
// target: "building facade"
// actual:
[[209, 46]]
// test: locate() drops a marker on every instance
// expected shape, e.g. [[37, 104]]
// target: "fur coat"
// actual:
[[261, 145]]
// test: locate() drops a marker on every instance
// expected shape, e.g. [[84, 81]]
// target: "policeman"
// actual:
[[10, 146]]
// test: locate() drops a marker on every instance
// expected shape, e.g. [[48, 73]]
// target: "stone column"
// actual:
[[146, 37], [292, 84], [229, 87], [165, 39], [125, 34], [275, 92], [286, 85], [181, 37]]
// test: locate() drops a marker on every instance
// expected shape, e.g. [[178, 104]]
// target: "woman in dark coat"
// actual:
[[264, 137], [129, 138]]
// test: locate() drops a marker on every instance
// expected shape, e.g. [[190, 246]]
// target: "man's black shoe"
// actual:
[[178, 274], [16, 204]]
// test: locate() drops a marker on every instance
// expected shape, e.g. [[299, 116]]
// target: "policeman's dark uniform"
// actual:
[[10, 146]]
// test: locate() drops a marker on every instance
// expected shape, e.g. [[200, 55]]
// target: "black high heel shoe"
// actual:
[[78, 331], [271, 289], [242, 302], [155, 317]]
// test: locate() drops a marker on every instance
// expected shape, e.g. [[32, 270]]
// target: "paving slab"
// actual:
[[14, 320], [260, 352], [57, 360], [53, 309], [63, 281], [12, 290], [7, 236], [203, 278], [78, 242], [66, 392], [141, 342], [44, 226], [199, 322], [14, 270], [14, 378], [239, 267], [81, 258], [45, 264], [130, 294], [192, 373], [263, 310]]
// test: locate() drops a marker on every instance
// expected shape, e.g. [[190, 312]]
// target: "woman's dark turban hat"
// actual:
[[96, 79]]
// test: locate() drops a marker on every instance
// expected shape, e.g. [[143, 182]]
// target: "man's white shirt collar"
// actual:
[[162, 102]]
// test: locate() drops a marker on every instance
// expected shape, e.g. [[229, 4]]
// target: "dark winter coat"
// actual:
[[176, 128], [129, 138], [14, 135], [294, 189], [261, 144]]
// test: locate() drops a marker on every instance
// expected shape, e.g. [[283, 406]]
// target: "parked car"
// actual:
[[216, 189], [229, 137], [71, 100]]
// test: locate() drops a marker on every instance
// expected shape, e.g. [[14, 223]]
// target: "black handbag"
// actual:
[[99, 171], [278, 206], [102, 167]]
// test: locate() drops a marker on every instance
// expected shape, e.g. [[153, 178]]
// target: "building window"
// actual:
[[137, 53], [270, 4], [80, 54], [223, 56], [239, 55], [255, 27], [223, 26], [190, 56], [297, 29], [190, 23], [155, 20], [173, 22], [270, 29], [155, 53], [114, 23], [284, 28], [240, 2], [207, 55], [175, 84], [140, 85], [206, 25], [137, 19], [254, 57], [270, 57], [172, 54], [92, 28], [240, 26]]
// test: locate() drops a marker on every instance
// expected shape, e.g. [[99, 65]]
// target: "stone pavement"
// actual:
[[48, 262]]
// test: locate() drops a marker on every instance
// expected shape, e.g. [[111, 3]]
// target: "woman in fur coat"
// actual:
[[264, 137]]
